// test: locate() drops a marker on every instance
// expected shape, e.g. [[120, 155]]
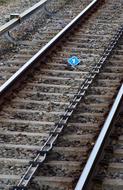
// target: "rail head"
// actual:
[[21, 17], [83, 182]]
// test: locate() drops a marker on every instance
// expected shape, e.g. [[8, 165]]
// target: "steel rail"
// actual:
[[45, 49], [58, 128], [6, 87], [21, 17], [77, 98], [84, 179]]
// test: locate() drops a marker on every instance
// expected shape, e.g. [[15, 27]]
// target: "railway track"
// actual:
[[35, 107], [90, 47], [69, 155]]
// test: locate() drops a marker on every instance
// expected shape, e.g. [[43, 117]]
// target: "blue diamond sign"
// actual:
[[73, 61]]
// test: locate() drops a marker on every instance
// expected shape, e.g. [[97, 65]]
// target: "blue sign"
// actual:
[[73, 61]]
